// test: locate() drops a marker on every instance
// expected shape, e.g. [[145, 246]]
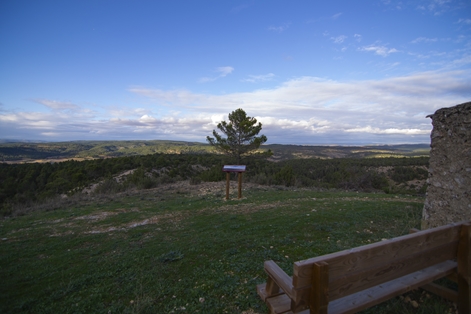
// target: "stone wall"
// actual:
[[449, 183]]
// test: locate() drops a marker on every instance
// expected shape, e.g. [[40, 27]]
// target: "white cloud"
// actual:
[[339, 39], [424, 40], [357, 37], [280, 28], [147, 119], [391, 66], [369, 129], [222, 72], [259, 78], [464, 21], [437, 7], [240, 8], [465, 60], [325, 18], [56, 105], [379, 50]]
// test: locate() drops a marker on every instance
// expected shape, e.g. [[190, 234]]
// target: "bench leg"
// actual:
[[464, 270]]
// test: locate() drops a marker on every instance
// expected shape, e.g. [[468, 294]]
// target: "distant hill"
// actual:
[[80, 150], [283, 152], [43, 152]]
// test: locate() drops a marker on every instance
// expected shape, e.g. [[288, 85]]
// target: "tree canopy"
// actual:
[[241, 132]]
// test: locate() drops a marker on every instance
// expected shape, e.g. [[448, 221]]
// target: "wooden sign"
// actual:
[[233, 168]]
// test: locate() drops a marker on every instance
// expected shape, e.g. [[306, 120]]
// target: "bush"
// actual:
[[285, 176], [109, 186], [147, 183], [212, 175], [195, 180]]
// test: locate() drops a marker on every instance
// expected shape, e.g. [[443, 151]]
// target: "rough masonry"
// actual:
[[449, 182]]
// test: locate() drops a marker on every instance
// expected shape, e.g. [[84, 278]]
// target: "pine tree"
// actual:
[[241, 132]]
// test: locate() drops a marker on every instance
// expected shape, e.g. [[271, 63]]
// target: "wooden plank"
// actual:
[[444, 292], [280, 278], [383, 292], [388, 270], [279, 304], [464, 270], [320, 288], [367, 256]]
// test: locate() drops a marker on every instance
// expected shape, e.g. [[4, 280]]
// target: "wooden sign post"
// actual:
[[233, 168]]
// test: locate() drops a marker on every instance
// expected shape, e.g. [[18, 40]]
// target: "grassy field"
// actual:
[[187, 251]]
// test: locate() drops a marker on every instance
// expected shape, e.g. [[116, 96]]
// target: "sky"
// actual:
[[338, 72]]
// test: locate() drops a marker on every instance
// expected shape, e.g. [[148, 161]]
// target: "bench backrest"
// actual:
[[363, 267]]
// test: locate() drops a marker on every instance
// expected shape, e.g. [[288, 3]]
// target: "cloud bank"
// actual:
[[303, 110]]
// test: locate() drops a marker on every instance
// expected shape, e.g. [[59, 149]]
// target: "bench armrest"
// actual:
[[280, 278]]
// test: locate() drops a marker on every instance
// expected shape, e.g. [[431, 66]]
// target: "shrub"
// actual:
[[109, 186], [195, 180]]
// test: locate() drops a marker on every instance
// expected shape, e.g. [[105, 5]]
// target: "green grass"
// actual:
[[185, 253]]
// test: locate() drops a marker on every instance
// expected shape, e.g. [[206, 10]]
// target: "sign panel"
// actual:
[[233, 168]]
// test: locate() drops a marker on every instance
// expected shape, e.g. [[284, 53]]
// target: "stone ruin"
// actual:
[[449, 182]]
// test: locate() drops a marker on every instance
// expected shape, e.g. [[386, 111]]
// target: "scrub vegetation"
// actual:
[[24, 185]]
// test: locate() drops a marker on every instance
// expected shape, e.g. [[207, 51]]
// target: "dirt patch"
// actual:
[[149, 221], [56, 234], [208, 188], [104, 230], [97, 216], [173, 218], [251, 207], [383, 169]]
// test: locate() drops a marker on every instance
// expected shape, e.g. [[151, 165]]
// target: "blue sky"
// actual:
[[313, 72]]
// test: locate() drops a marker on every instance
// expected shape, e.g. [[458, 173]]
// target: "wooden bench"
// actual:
[[353, 280]]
